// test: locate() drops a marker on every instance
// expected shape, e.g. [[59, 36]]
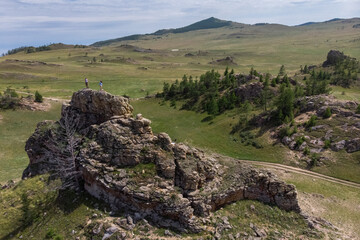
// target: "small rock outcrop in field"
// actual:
[[333, 57], [229, 61], [123, 163]]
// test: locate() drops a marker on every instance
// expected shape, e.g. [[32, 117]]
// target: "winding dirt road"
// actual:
[[303, 172]]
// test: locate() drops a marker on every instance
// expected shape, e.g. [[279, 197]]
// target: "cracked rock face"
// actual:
[[123, 163]]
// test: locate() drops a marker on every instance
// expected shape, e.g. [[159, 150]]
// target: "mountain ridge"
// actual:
[[209, 23]]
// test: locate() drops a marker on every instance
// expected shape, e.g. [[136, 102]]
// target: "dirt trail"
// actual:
[[303, 172]]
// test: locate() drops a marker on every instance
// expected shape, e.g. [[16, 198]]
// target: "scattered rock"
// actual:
[[328, 135], [338, 145], [303, 146], [252, 207], [8, 185], [97, 229], [286, 140], [353, 145], [317, 143], [224, 61], [317, 127], [168, 233]]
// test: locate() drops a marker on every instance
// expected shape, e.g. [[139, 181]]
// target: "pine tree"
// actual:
[[282, 70]]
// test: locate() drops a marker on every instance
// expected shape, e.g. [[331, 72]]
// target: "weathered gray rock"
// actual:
[[317, 143], [303, 146], [249, 91], [338, 145], [38, 147], [287, 140], [328, 135], [353, 145]]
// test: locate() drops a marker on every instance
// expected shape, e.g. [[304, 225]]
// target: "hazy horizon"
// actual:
[[39, 22]]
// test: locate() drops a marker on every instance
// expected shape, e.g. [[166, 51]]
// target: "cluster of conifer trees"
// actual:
[[215, 93]]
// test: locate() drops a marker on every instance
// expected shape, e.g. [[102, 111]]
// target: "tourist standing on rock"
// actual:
[[100, 84], [86, 83]]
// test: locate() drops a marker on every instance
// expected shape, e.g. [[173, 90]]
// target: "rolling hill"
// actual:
[[137, 66], [204, 24]]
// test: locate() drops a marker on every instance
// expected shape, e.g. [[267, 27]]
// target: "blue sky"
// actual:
[[38, 22]]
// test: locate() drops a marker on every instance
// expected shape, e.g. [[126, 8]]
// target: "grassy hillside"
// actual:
[[204, 24], [152, 61], [142, 66]]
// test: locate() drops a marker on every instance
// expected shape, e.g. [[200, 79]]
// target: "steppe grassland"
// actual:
[[137, 73]]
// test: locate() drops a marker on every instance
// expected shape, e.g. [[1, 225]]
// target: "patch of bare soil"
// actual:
[[29, 104], [304, 117], [313, 206]]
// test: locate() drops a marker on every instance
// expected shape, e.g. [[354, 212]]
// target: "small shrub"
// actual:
[[327, 113], [11, 93], [292, 123], [256, 145], [8, 102], [314, 160], [173, 103], [358, 109], [295, 130], [50, 234], [38, 97], [285, 131], [311, 122], [306, 151], [300, 141], [327, 144]]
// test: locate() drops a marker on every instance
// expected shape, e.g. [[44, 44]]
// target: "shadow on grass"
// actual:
[[35, 218]]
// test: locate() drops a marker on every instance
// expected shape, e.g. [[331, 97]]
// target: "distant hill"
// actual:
[[310, 23], [204, 24]]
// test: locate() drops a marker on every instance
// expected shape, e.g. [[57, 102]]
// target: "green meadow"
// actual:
[[140, 67]]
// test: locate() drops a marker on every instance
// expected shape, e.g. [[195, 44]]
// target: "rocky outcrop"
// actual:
[[249, 91], [229, 61], [94, 107], [333, 57], [123, 163], [38, 148], [353, 145]]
